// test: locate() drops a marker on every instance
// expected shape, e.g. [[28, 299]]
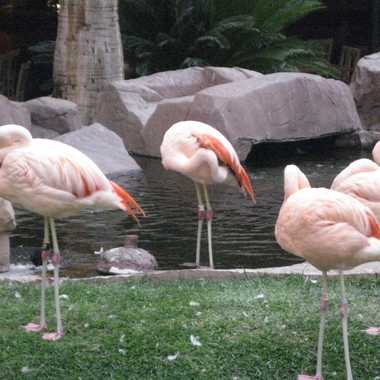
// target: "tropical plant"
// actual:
[[170, 34]]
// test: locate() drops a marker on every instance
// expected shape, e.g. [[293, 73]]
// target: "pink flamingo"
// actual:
[[203, 154], [331, 230], [54, 180], [361, 179]]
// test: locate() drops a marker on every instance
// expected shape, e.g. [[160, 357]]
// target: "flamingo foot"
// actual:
[[306, 377], [53, 336], [34, 327], [373, 331]]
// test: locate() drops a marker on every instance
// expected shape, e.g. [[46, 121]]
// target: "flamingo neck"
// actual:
[[294, 180]]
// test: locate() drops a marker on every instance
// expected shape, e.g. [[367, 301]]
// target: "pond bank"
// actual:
[[26, 274]]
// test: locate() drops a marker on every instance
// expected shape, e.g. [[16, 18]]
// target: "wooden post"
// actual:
[[88, 52]]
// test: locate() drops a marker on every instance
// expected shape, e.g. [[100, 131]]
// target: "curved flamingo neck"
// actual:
[[294, 180]]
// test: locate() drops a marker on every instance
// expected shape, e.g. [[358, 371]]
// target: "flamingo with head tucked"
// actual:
[[361, 179], [54, 180], [331, 230], [203, 154]]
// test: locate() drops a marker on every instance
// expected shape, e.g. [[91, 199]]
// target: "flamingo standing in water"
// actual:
[[203, 154], [54, 180], [331, 230]]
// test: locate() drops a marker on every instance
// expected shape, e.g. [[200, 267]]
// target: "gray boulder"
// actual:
[[43, 133], [127, 259], [7, 224], [53, 114], [247, 107], [365, 86], [141, 110], [278, 108], [104, 147], [14, 113]]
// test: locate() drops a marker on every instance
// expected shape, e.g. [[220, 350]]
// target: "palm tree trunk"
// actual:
[[88, 52]]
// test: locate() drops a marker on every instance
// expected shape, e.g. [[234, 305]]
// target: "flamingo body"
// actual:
[[331, 230], [361, 180], [203, 154], [53, 179], [182, 152]]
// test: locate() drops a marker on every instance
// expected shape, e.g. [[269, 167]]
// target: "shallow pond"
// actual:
[[242, 233]]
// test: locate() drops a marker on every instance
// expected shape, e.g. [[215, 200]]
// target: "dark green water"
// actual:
[[242, 233]]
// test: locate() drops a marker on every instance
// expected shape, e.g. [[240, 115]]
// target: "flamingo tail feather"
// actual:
[[131, 205]]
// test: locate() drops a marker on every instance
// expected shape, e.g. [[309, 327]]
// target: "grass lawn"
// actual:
[[263, 328]]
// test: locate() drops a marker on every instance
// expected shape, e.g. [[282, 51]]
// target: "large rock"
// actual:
[[52, 114], [277, 108], [104, 147], [365, 86], [13, 113], [245, 106], [7, 224], [141, 110]]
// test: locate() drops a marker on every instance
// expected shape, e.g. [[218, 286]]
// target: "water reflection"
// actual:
[[243, 233]]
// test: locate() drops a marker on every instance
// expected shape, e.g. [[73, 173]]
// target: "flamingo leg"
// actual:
[[34, 327], [344, 315], [56, 261], [201, 215], [323, 310], [209, 217]]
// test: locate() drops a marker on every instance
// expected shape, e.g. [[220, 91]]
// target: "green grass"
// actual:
[[127, 331]]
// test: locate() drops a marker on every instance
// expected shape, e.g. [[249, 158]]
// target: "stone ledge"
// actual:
[[303, 269]]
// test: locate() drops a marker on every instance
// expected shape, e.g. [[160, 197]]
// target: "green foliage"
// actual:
[[161, 35], [262, 328]]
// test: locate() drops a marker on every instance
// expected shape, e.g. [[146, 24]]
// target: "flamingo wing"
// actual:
[[363, 165], [228, 159], [61, 171], [363, 186], [26, 169]]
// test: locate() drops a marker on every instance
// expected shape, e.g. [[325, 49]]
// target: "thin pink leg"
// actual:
[[38, 327], [56, 261], [323, 311], [201, 218], [344, 315]]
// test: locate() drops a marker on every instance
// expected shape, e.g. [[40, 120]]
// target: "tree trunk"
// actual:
[[88, 52]]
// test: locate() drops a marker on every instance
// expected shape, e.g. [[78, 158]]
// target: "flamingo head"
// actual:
[[12, 134]]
